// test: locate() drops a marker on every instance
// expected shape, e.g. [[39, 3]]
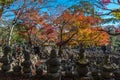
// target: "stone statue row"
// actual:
[[55, 68]]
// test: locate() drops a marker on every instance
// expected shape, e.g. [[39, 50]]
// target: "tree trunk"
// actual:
[[2, 10], [60, 46], [10, 35]]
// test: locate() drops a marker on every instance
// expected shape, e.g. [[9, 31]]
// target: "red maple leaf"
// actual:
[[105, 2]]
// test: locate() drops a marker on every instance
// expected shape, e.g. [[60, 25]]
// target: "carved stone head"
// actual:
[[53, 54], [6, 50]]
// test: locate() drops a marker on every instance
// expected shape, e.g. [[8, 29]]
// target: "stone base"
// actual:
[[27, 75], [86, 78]]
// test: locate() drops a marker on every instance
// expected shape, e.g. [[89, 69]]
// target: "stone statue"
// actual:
[[17, 70], [36, 50], [116, 62], [68, 71], [6, 60], [104, 48], [27, 64], [39, 74], [95, 71], [53, 66], [117, 72], [107, 69], [81, 64]]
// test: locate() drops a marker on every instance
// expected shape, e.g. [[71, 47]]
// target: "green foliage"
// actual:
[[115, 18], [17, 37], [85, 7], [116, 15], [6, 2], [115, 41]]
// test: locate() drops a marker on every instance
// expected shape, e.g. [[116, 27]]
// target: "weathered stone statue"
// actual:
[[6, 60], [95, 72], [36, 50], [107, 69], [63, 65], [60, 53], [14, 53], [81, 64], [17, 70], [39, 74], [27, 72], [68, 71], [116, 67], [103, 48], [53, 66], [117, 73]]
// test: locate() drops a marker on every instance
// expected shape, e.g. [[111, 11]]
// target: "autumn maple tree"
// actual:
[[75, 27], [36, 28], [20, 12]]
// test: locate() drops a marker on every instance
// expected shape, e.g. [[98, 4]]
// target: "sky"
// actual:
[[110, 6], [52, 10], [49, 6]]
